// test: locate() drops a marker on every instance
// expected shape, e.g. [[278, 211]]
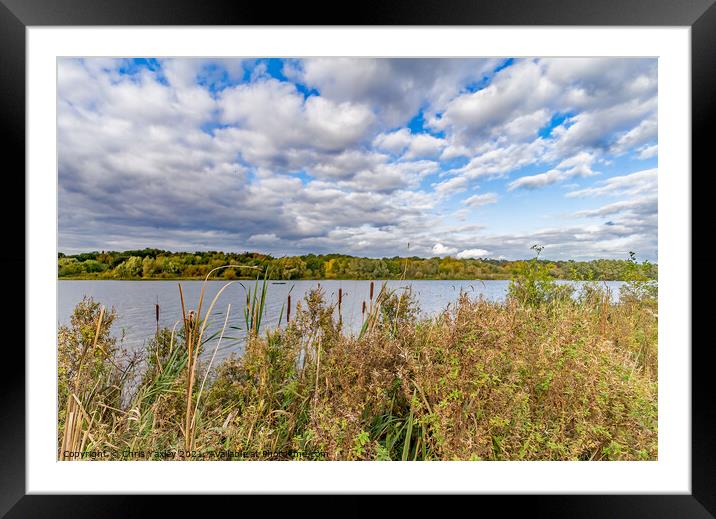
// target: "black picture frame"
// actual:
[[16, 15]]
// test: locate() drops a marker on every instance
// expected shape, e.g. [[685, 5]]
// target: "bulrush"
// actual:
[[156, 312], [194, 327], [540, 378], [340, 304]]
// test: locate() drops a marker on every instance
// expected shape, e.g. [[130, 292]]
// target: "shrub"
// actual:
[[639, 286], [480, 381], [533, 284]]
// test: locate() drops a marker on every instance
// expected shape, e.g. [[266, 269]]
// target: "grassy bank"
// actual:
[[543, 376]]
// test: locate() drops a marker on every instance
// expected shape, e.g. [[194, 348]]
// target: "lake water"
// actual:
[[134, 302]]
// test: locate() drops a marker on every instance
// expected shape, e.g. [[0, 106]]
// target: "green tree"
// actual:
[[131, 268], [639, 285], [148, 266]]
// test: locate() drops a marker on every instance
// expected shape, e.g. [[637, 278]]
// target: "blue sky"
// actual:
[[371, 157]]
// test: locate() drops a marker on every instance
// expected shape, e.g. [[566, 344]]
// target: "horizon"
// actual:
[[467, 158]]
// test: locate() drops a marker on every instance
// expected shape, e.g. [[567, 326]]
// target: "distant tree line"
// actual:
[[161, 264]]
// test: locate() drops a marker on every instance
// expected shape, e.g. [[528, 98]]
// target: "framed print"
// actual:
[[264, 256]]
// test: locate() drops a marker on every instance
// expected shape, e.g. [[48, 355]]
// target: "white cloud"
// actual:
[[152, 156], [645, 205], [499, 161], [441, 250], [525, 126], [579, 165], [647, 152], [472, 254], [390, 177], [273, 119], [344, 165], [644, 133], [424, 145], [451, 186], [537, 181], [452, 151], [480, 200], [608, 106], [413, 146], [395, 142], [395, 89], [515, 92], [461, 214], [597, 129], [632, 184]]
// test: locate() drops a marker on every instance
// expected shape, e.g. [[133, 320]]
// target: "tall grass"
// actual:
[[538, 377]]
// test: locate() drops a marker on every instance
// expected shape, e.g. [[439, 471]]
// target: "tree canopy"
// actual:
[[161, 264]]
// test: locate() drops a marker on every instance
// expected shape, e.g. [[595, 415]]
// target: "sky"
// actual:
[[369, 157]]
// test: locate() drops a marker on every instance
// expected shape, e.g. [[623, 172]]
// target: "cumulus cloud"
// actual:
[[542, 111], [451, 186], [579, 165], [647, 152], [632, 184], [441, 250], [644, 133], [472, 254], [645, 205], [495, 162], [516, 92], [424, 145], [390, 177], [275, 124], [410, 145], [351, 155], [395, 88], [395, 142], [619, 127], [480, 200]]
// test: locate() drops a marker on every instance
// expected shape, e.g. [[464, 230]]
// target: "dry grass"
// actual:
[[566, 379]]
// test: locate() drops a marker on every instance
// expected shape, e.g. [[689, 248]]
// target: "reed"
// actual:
[[538, 377], [156, 314], [78, 422], [194, 328], [208, 369], [340, 311], [255, 304]]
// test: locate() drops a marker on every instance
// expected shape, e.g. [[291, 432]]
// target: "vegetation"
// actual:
[[159, 264], [538, 377]]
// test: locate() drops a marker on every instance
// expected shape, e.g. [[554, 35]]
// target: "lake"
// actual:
[[134, 302]]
